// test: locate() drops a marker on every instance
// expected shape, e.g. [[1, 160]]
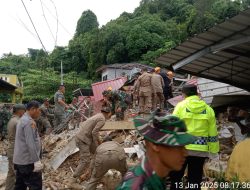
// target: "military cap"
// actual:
[[164, 129]]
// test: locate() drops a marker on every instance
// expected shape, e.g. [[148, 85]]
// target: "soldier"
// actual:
[[165, 140], [87, 139], [157, 87], [145, 91], [109, 155], [27, 150], [43, 121], [60, 107], [18, 111], [5, 116], [119, 102]]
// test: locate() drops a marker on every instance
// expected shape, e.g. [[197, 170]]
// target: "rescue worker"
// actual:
[[200, 121], [145, 91], [165, 139], [109, 155], [157, 88], [18, 111], [87, 139], [43, 123], [118, 100], [5, 116], [60, 107], [168, 81], [27, 150]]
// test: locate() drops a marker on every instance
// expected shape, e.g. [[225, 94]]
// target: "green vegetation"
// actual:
[[153, 28]]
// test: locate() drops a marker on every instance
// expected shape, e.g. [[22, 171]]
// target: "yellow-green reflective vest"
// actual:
[[200, 121]]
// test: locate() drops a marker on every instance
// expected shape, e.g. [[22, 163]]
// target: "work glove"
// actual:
[[38, 166]]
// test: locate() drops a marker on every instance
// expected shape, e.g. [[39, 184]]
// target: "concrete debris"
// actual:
[[228, 133], [3, 170], [61, 158]]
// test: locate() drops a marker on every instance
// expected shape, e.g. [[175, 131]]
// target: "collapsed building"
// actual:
[[220, 54]]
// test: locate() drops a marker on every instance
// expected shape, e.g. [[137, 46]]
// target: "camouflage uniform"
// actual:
[[11, 127], [60, 117], [118, 100], [5, 116], [43, 121], [145, 92], [87, 139], [159, 129], [109, 155], [157, 87], [142, 177]]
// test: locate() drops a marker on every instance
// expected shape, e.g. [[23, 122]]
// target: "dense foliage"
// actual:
[[153, 28]]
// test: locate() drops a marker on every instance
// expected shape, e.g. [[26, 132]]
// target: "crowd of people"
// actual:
[[152, 89], [172, 142]]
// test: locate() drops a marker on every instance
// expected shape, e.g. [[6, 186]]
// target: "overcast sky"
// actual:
[[17, 33]]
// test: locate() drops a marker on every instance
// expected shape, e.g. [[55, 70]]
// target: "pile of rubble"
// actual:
[[61, 158], [229, 135]]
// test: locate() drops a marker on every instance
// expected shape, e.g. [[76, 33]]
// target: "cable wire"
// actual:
[[47, 21], [55, 17], [34, 26], [56, 21], [19, 21]]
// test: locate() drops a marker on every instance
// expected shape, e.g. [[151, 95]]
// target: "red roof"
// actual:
[[99, 87]]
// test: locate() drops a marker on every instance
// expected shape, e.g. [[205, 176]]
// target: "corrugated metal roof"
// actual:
[[99, 87], [222, 53], [6, 86], [125, 66]]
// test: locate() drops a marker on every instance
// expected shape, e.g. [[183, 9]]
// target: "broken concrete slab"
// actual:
[[59, 158]]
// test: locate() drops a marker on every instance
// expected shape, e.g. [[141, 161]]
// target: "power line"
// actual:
[[34, 26], [56, 17], [47, 21], [19, 21], [56, 20]]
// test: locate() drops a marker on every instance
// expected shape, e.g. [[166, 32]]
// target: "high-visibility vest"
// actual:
[[201, 122]]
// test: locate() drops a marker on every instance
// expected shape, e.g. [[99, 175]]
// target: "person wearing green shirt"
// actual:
[[118, 100], [165, 139], [200, 121]]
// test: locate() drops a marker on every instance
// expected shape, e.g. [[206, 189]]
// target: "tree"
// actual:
[[86, 23]]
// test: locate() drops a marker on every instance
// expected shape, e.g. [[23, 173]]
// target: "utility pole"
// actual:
[[61, 73]]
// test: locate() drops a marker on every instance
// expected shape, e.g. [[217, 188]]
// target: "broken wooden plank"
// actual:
[[118, 125]]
